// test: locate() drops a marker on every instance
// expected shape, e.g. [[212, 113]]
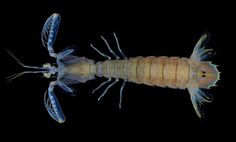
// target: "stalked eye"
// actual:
[[46, 65], [47, 75]]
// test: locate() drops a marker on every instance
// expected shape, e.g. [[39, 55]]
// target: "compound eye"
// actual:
[[46, 65], [47, 75]]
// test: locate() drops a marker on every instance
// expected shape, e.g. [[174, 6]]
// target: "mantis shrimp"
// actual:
[[192, 73]]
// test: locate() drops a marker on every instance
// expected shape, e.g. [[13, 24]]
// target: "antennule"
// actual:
[[14, 76], [20, 63]]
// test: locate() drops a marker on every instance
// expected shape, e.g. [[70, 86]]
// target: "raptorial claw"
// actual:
[[65, 53], [65, 87], [49, 32], [52, 105]]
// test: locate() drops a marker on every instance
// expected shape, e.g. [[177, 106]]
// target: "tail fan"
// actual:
[[204, 75], [198, 97]]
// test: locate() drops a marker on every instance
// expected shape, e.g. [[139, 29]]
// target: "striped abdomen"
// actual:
[[162, 71]]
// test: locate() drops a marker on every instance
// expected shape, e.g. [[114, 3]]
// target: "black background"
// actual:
[[143, 29]]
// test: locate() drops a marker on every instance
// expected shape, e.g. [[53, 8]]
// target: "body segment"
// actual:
[[161, 71]]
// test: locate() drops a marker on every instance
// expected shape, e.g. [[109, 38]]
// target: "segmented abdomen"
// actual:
[[161, 71]]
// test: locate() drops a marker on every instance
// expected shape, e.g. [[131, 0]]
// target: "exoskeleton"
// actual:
[[193, 74]]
